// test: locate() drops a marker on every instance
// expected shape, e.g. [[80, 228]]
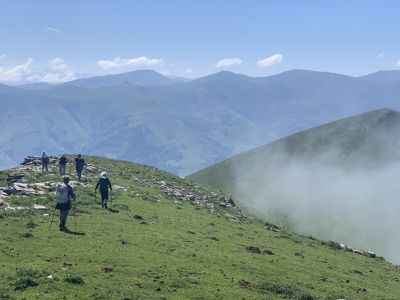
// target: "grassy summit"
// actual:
[[165, 238]]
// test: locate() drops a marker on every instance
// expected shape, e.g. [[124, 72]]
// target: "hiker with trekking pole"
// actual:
[[64, 196], [104, 184]]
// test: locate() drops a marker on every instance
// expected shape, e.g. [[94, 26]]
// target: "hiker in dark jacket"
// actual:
[[45, 162], [104, 184], [64, 195], [63, 164], [79, 164]]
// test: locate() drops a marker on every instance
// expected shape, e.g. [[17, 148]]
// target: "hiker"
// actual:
[[63, 164], [45, 162], [64, 195], [79, 163], [104, 184]]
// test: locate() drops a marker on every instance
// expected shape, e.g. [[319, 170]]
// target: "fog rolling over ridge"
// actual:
[[339, 181]]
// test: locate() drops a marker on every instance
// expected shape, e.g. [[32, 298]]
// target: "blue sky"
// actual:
[[60, 40]]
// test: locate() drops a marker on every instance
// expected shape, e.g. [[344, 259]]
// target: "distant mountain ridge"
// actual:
[[180, 126], [140, 77]]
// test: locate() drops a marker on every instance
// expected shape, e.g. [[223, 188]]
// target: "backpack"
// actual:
[[62, 193], [103, 181], [45, 159]]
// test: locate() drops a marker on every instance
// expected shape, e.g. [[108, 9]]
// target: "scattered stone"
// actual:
[[36, 161], [244, 283], [107, 269], [27, 235], [138, 217], [14, 178], [30, 224], [299, 254], [38, 206], [253, 249], [269, 252], [357, 272], [370, 254]]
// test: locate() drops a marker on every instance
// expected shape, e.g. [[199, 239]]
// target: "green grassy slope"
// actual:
[[368, 140], [177, 249]]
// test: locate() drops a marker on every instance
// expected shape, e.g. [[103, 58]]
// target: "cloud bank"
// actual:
[[56, 72], [355, 206], [141, 61], [228, 62], [270, 61]]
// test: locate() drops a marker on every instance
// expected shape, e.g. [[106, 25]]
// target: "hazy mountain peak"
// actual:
[[138, 77]]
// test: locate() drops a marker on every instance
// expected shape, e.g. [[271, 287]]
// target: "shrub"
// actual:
[[286, 290], [334, 245], [24, 283], [75, 279]]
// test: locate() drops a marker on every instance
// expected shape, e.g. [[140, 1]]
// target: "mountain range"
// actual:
[[178, 125]]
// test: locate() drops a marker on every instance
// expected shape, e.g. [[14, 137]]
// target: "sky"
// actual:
[[56, 41]]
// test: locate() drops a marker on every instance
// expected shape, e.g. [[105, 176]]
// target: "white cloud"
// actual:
[[2, 56], [189, 71], [270, 61], [141, 61], [381, 55], [398, 62], [16, 73], [228, 62], [57, 72], [51, 29]]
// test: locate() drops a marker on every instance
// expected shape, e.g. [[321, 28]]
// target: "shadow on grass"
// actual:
[[67, 231]]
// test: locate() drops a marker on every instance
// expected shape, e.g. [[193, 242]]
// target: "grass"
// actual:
[[174, 251]]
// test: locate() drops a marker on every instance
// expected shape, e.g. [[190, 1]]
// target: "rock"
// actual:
[[138, 217], [27, 235], [253, 249], [38, 206], [37, 161], [30, 224], [93, 169], [299, 254], [191, 197], [22, 189], [370, 254], [3, 194], [14, 178], [244, 283], [269, 252], [107, 269]]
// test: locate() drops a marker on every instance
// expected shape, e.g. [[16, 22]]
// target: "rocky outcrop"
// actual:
[[37, 160]]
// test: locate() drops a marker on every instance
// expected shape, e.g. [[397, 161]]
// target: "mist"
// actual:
[[354, 200]]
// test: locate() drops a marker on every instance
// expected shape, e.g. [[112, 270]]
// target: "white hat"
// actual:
[[103, 174]]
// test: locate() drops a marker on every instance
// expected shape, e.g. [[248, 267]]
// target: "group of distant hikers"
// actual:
[[65, 195]]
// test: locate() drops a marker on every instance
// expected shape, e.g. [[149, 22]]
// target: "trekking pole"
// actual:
[[74, 215], [52, 218]]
